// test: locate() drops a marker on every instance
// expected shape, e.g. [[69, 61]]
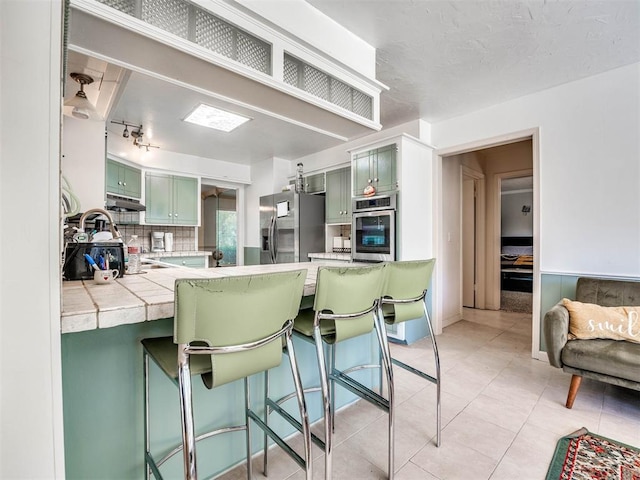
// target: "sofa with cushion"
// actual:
[[597, 336]]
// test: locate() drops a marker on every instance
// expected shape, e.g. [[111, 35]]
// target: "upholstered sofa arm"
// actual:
[[556, 331]]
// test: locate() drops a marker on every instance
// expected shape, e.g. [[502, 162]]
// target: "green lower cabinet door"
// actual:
[[346, 193], [192, 262]]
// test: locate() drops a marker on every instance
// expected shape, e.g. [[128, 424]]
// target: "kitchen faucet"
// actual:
[[112, 226]]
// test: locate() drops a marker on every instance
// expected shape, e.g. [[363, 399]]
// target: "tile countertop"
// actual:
[[193, 253], [346, 257], [147, 296]]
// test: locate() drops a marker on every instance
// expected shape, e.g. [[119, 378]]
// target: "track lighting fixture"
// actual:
[[82, 107], [126, 132], [137, 135], [147, 146], [136, 132]]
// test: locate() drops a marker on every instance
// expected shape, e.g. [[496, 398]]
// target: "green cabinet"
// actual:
[[123, 180], [338, 196], [171, 200], [376, 168], [191, 261], [314, 183]]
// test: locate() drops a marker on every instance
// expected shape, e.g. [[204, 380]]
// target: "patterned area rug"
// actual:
[[586, 456]]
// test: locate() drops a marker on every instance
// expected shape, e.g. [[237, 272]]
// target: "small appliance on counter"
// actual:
[[157, 242], [168, 242], [107, 255], [341, 245]]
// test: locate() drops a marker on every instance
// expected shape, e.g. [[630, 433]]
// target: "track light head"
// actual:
[[137, 135], [125, 134]]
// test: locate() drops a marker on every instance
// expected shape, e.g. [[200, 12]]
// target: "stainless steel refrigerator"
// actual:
[[291, 227]]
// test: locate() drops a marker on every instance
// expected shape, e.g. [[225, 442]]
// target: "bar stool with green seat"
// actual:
[[227, 329], [345, 306], [404, 298]]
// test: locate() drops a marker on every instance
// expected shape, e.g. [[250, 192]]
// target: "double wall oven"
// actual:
[[373, 229]]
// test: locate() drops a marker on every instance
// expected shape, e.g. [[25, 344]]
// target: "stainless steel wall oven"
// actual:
[[373, 229]]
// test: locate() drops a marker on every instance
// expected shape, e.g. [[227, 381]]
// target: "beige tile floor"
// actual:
[[502, 412]]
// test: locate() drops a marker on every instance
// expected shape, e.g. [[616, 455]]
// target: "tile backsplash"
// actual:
[[184, 238]]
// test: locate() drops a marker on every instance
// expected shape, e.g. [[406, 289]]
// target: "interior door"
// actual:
[[468, 242]]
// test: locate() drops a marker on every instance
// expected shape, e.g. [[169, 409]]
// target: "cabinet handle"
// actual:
[[119, 183], [369, 181], [175, 214], [375, 180], [124, 183], [169, 214]]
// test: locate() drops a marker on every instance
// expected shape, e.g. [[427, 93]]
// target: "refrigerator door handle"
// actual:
[[272, 239], [275, 240]]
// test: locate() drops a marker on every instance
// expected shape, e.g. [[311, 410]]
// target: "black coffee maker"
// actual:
[[110, 255]]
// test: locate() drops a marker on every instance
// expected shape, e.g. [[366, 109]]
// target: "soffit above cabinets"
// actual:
[[155, 53], [161, 107]]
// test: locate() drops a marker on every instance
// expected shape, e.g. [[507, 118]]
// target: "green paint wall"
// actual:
[[553, 288]]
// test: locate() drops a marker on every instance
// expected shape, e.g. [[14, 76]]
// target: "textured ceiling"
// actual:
[[446, 58], [439, 58]]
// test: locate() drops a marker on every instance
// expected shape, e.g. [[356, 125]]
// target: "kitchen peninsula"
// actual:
[[147, 296], [103, 379]]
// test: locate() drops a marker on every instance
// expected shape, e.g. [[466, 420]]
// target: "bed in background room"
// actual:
[[516, 264]]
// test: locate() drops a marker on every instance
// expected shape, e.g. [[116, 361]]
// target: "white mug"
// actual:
[[105, 276]]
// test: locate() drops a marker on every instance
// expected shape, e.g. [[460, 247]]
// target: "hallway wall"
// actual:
[[589, 169], [587, 214]]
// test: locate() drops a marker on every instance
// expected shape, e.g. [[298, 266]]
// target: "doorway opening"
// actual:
[[469, 219], [219, 231], [516, 240]]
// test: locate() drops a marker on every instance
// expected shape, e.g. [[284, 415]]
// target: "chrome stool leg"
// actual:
[[147, 446], [186, 411], [437, 377], [385, 353], [326, 404], [265, 437], [247, 405], [302, 406]]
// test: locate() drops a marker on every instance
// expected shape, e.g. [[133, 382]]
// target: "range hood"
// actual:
[[123, 204]]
